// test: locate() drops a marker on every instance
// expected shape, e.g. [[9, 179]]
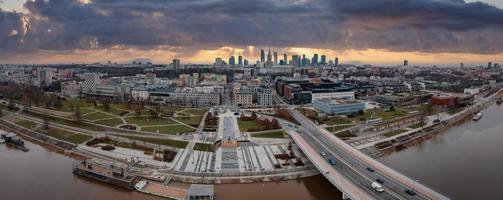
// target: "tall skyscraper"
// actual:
[[219, 62], [336, 61], [323, 60], [232, 60], [91, 80], [245, 62], [262, 55], [275, 58], [295, 61], [405, 63], [240, 60], [269, 56], [489, 65], [314, 60], [176, 64], [285, 59]]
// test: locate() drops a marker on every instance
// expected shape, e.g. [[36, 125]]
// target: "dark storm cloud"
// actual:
[[400, 25]]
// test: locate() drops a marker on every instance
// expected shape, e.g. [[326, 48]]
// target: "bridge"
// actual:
[[351, 171]]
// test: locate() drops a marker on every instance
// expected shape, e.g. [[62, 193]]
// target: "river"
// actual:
[[44, 174], [466, 162]]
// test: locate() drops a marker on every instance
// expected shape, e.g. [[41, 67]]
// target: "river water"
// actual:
[[465, 162], [44, 174]]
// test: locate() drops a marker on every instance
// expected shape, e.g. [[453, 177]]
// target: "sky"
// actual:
[[378, 32]]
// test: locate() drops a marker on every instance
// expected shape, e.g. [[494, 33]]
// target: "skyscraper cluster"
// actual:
[[271, 59]]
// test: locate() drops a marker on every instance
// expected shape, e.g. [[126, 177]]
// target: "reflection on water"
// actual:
[[43, 174], [464, 163]]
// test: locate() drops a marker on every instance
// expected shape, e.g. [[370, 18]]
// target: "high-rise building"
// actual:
[[240, 60], [269, 56], [262, 55], [462, 65], [336, 61], [45, 76], [219, 62], [176, 64], [275, 58], [91, 80], [245, 62], [405, 63], [285, 59], [232, 60], [323, 60], [314, 60], [296, 61], [489, 65]]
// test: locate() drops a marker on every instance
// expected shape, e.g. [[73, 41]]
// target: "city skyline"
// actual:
[[50, 32]]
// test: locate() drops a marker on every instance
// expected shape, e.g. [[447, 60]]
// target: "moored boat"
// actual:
[[14, 140], [477, 116]]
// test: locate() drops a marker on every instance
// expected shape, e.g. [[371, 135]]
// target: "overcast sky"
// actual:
[[357, 31]]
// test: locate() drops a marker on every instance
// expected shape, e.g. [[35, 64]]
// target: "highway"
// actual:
[[354, 165]]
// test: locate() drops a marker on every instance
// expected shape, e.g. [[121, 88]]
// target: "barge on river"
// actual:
[[13, 140], [107, 173]]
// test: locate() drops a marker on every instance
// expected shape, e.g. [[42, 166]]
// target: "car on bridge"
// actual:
[[370, 169], [377, 187], [332, 162], [410, 192]]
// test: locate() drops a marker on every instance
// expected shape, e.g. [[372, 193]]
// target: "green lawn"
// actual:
[[247, 126], [383, 114], [195, 111], [418, 125], [166, 142], [25, 123], [337, 120], [338, 128], [110, 122], [204, 147], [169, 108], [67, 105], [192, 121], [171, 130], [345, 134], [275, 134], [395, 132], [112, 110], [147, 121], [96, 116], [63, 121], [74, 138]]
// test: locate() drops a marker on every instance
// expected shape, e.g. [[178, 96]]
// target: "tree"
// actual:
[[106, 104], [77, 114], [138, 110], [275, 123], [253, 116]]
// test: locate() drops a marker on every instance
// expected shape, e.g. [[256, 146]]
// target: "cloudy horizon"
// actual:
[[379, 32]]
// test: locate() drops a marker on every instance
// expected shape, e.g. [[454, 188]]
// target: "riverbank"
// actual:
[[415, 137]]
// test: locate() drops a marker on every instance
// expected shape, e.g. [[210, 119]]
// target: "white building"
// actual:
[[71, 88], [91, 80], [335, 95], [139, 94]]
